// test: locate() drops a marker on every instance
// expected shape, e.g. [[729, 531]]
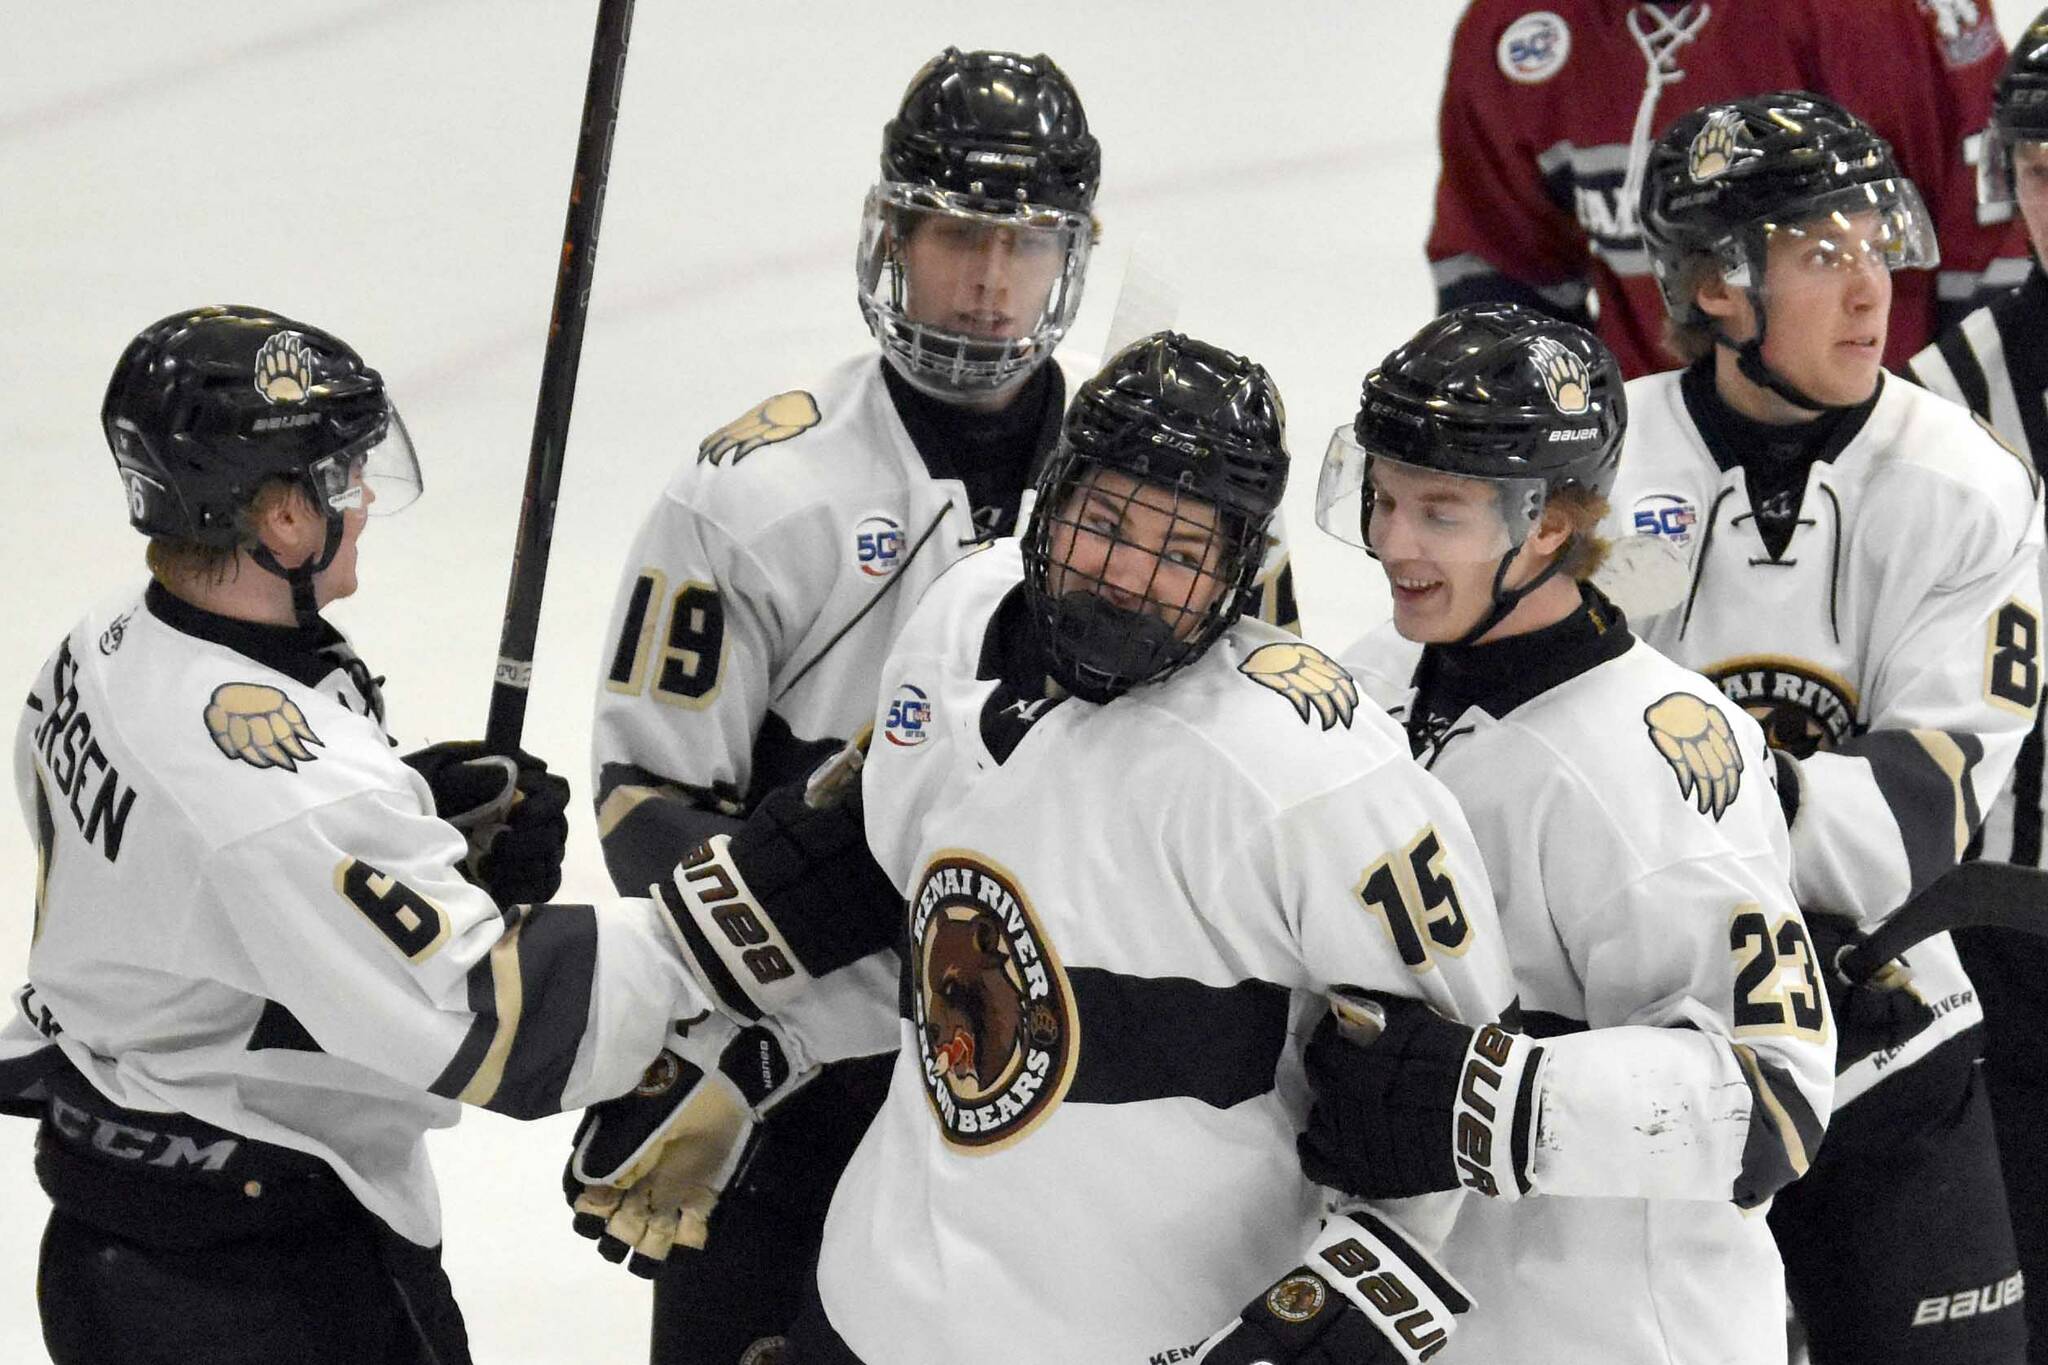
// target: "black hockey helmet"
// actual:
[[208, 405], [996, 145], [2019, 112], [1493, 391], [1498, 393], [1724, 178], [1190, 423], [996, 127]]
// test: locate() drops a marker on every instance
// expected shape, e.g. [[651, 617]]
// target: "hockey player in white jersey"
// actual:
[[767, 583], [1141, 839], [1676, 1059], [1995, 362], [1863, 567], [270, 952]]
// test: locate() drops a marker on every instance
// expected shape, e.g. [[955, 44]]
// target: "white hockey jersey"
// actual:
[[1629, 824], [1894, 646], [761, 596], [1122, 921], [248, 912]]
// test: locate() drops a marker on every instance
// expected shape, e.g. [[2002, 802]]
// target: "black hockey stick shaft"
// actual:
[[1999, 895], [558, 377]]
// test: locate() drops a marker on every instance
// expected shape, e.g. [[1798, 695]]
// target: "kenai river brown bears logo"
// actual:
[[1803, 708], [994, 1013]]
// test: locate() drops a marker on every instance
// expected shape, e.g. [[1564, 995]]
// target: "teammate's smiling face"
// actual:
[[1140, 546], [1828, 293], [976, 277], [1441, 538]]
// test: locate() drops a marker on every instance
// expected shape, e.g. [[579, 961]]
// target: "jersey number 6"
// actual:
[[687, 665]]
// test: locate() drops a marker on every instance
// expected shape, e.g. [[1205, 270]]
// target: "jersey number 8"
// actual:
[[687, 665], [2012, 658]]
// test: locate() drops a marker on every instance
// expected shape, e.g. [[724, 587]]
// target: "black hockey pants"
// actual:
[[2010, 971], [1898, 1248], [266, 1258]]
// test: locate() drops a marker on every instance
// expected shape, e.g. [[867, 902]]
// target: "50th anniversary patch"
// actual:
[[994, 1011]]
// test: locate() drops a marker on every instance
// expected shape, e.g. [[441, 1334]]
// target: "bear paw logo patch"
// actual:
[[259, 725], [1565, 377], [776, 419], [1716, 147], [284, 369], [1311, 681], [1699, 744]]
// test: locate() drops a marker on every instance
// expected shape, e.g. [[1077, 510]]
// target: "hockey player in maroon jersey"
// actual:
[[1549, 108]]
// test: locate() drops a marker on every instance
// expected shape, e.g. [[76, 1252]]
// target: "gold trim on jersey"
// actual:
[[625, 799], [1309, 679], [509, 994], [1774, 1110], [1955, 765]]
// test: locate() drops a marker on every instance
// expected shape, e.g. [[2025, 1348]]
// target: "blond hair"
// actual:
[[1586, 550], [172, 561], [1692, 338]]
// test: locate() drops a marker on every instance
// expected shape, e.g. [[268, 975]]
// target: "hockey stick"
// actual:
[[558, 378], [1974, 895]]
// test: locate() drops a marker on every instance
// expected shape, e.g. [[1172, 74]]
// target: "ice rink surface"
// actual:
[[396, 171]]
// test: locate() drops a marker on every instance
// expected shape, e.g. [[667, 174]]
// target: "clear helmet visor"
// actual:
[[2008, 163], [968, 297], [1396, 510], [378, 473], [1881, 225]]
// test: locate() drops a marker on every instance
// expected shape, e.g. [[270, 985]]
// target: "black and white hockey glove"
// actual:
[[1366, 1296], [1872, 1015], [1430, 1105], [793, 894], [512, 810], [648, 1168]]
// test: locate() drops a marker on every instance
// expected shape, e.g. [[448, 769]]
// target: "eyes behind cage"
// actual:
[[1187, 544]]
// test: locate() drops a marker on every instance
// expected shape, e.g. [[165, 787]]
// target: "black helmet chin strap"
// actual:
[[1505, 600], [304, 607], [1749, 359]]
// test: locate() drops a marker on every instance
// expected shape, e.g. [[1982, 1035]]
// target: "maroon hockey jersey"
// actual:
[[1543, 102]]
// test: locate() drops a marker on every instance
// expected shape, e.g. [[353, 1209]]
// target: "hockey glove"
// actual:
[[793, 894], [1431, 1105], [1880, 1012], [1368, 1296], [648, 1168], [512, 810]]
